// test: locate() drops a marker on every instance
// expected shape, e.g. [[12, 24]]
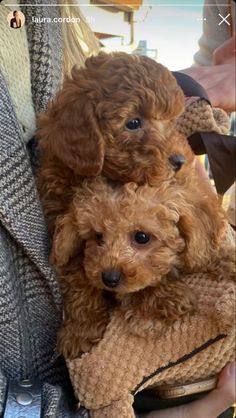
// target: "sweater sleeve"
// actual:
[[214, 34]]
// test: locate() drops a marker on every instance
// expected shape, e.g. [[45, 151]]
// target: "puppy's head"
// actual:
[[130, 237], [116, 116]]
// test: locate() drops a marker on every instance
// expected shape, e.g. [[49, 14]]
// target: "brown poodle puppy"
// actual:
[[131, 246], [114, 117]]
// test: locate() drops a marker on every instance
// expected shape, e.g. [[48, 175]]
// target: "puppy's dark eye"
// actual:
[[141, 237], [99, 238], [177, 160], [133, 124]]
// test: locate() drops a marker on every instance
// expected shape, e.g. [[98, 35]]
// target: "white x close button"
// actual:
[[224, 19]]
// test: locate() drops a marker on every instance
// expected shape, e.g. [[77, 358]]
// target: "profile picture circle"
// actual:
[[16, 19]]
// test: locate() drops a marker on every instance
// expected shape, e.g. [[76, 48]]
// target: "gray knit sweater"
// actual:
[[214, 34], [30, 301]]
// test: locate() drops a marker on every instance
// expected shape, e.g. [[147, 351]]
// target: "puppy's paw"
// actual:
[[146, 311], [70, 342]]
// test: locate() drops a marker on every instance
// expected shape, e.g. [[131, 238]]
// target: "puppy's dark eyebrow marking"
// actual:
[[180, 360]]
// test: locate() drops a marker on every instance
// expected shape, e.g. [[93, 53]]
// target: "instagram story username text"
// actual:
[[89, 19]]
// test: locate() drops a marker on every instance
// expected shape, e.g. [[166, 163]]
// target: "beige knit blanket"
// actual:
[[122, 364], [199, 116]]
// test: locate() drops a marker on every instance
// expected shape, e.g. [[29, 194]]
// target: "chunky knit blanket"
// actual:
[[191, 349], [207, 131]]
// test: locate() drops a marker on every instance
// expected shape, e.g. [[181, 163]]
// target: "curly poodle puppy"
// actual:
[[134, 256], [115, 117]]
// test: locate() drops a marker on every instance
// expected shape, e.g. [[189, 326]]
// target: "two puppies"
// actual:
[[116, 118], [118, 244]]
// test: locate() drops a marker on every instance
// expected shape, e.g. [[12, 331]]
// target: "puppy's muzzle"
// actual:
[[111, 278]]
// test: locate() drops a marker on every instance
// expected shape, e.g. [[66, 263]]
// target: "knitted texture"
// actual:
[[122, 409], [45, 52], [19, 84], [199, 116], [26, 301], [3, 387], [30, 301], [192, 348]]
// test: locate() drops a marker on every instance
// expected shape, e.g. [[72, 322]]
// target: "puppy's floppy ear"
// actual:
[[66, 241], [169, 95], [69, 130], [202, 225]]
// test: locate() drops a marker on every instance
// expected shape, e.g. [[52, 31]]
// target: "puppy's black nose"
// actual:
[[111, 278]]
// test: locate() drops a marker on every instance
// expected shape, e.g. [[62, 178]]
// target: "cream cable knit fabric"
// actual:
[[15, 65], [199, 116]]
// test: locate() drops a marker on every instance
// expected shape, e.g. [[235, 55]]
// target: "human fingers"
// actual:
[[211, 406], [221, 88], [225, 52], [196, 72], [218, 400], [219, 82]]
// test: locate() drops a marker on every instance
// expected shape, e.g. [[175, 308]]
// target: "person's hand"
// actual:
[[219, 82], [225, 52], [212, 405], [219, 79]]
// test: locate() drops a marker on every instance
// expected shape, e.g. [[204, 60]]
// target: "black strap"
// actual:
[[190, 87], [221, 151]]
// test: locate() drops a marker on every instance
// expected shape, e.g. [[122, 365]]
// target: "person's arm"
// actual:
[[211, 406], [225, 53], [214, 62], [213, 35], [219, 79]]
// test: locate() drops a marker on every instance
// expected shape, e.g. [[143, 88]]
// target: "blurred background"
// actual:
[[166, 31]]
